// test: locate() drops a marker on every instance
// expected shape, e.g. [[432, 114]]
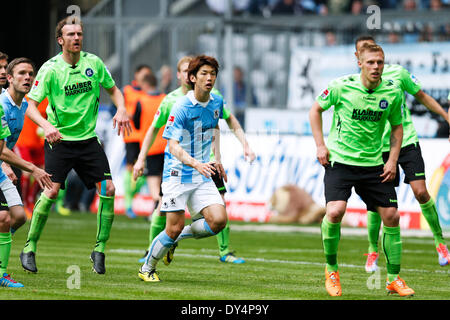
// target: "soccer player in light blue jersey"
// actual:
[[20, 75], [191, 130]]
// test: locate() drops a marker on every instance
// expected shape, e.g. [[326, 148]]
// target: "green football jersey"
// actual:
[[73, 94], [359, 119], [406, 82]]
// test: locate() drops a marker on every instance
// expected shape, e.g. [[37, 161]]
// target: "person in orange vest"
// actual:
[[132, 93], [149, 104]]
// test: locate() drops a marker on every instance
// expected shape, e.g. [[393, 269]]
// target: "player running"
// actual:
[[352, 158], [410, 159], [71, 80], [158, 222], [192, 127]]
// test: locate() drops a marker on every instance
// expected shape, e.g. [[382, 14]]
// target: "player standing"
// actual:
[[410, 159], [20, 75], [353, 158], [71, 80], [191, 129]]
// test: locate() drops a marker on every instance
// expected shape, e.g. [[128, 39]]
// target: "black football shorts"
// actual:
[[86, 157], [340, 178], [411, 162]]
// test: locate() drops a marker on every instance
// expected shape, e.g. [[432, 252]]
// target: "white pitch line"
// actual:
[[263, 260]]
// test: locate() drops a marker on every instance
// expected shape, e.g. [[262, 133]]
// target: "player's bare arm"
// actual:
[[315, 118], [120, 119], [9, 173], [52, 135], [236, 127], [206, 169], [390, 168], [149, 139], [42, 177], [431, 104]]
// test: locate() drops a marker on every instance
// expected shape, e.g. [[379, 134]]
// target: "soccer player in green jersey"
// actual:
[[410, 159], [352, 157], [71, 80], [158, 222]]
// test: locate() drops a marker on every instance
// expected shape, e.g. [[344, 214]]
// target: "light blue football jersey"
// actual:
[[191, 123], [14, 115]]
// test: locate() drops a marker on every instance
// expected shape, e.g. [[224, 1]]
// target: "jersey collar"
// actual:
[[194, 101], [68, 65], [369, 90], [12, 101]]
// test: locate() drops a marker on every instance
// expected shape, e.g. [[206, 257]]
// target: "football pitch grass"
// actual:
[[280, 265]]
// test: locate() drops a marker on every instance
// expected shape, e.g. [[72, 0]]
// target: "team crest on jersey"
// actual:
[[89, 72], [216, 114], [383, 104], [325, 94]]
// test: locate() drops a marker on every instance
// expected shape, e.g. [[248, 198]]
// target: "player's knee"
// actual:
[[219, 220], [106, 188], [20, 218], [335, 213], [422, 195], [174, 230], [110, 190], [5, 219], [391, 217]]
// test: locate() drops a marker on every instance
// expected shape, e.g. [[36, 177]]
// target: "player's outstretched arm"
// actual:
[[206, 169], [149, 139], [315, 119], [236, 127], [42, 177], [390, 168], [120, 119], [431, 104], [52, 135]]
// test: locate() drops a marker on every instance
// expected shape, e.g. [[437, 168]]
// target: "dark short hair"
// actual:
[[365, 37], [150, 79], [15, 62], [199, 61], [66, 21], [143, 66], [3, 56]]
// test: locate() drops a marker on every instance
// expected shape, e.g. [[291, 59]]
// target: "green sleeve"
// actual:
[[328, 97], [163, 113], [105, 77], [395, 115], [409, 82], [41, 86], [4, 130], [226, 113]]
